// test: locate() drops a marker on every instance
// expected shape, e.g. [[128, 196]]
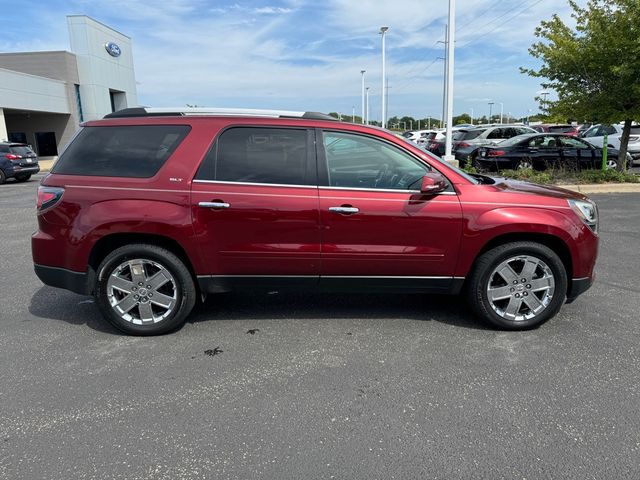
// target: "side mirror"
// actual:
[[433, 182]]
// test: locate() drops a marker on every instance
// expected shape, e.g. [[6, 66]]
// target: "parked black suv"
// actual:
[[18, 161]]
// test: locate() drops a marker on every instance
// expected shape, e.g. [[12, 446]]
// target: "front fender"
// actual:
[[481, 228]]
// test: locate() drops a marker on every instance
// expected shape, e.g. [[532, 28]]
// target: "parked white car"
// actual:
[[595, 136], [416, 135]]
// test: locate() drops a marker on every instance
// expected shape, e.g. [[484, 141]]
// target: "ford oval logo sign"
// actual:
[[112, 49]]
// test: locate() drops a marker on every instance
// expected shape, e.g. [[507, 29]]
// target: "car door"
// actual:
[[377, 228], [576, 153], [255, 206], [544, 151]]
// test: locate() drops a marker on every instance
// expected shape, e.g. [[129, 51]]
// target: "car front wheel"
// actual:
[[518, 285], [144, 290]]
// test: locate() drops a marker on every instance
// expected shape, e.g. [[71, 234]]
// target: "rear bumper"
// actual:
[[18, 170], [62, 278], [578, 287]]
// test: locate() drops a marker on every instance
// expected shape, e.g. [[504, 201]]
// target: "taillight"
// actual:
[[495, 153], [48, 197], [463, 145], [11, 156]]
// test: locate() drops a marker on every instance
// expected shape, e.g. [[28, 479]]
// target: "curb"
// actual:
[[604, 188]]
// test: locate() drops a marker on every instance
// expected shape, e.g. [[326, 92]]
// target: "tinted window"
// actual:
[[21, 150], [608, 129], [358, 161], [592, 132], [570, 142], [561, 128], [259, 155], [514, 141], [497, 133], [125, 151], [471, 134], [4, 149], [547, 141]]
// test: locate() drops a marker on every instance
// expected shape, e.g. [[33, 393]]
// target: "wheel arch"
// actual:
[[553, 242], [110, 242]]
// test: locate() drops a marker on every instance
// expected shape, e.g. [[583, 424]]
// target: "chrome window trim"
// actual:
[[386, 190], [222, 182]]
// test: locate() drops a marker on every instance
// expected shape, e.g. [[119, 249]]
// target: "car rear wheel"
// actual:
[[22, 178], [518, 285], [3, 177], [144, 290]]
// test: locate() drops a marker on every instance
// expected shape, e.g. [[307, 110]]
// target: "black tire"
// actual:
[[3, 177], [182, 288], [481, 276], [22, 178]]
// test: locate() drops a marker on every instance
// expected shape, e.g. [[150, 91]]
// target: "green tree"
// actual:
[[464, 118], [595, 67]]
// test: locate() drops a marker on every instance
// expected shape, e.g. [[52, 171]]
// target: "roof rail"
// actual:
[[235, 112]]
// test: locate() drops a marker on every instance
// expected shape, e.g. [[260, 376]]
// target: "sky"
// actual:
[[307, 54]]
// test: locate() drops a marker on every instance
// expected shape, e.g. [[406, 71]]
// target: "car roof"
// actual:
[[216, 112]]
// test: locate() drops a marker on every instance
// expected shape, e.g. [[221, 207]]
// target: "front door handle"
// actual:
[[217, 205], [344, 210]]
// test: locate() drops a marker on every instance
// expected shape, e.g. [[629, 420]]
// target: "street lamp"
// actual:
[[353, 114], [383, 30], [450, 52], [367, 107], [501, 111], [472, 116], [490, 108], [362, 73]]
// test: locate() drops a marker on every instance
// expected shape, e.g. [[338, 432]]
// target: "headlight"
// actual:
[[587, 211]]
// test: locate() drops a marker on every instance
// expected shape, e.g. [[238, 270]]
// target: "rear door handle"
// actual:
[[214, 205], [344, 210]]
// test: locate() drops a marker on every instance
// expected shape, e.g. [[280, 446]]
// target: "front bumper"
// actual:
[[578, 287]]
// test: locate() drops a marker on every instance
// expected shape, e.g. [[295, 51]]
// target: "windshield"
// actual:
[[514, 140]]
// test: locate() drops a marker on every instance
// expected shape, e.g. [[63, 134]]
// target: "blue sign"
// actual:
[[112, 49]]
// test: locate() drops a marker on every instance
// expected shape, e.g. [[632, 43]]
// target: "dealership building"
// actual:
[[44, 96]]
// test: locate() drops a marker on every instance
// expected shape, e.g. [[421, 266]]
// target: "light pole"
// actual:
[[501, 111], [490, 108], [528, 115], [353, 114], [448, 157], [367, 107], [383, 31], [362, 73], [444, 82], [471, 116]]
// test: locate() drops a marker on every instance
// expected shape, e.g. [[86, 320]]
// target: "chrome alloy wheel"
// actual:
[[520, 288], [141, 291]]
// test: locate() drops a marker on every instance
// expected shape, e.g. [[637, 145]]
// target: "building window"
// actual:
[[79, 103]]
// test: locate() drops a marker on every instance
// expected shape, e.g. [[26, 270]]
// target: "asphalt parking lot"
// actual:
[[325, 386]]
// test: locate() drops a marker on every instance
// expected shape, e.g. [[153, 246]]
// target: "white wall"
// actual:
[[28, 92], [98, 72]]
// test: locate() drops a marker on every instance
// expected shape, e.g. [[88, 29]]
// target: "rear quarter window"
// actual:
[[136, 151]]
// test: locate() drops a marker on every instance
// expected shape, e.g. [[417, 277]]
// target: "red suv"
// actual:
[[150, 210]]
